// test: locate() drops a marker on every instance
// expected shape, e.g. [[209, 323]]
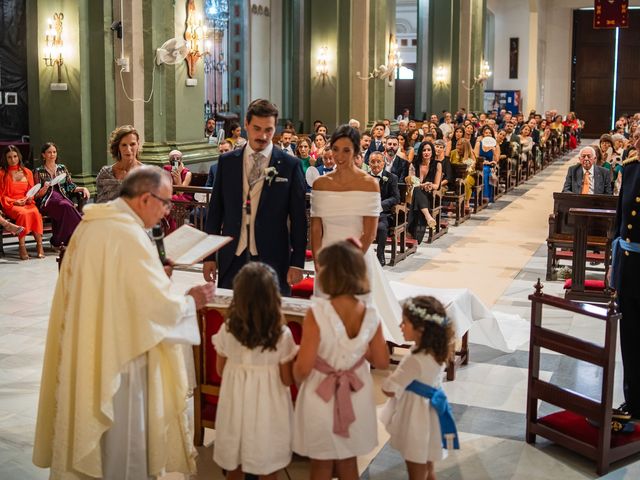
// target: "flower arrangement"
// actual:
[[470, 163], [269, 174]]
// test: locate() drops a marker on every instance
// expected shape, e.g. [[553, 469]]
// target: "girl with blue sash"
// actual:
[[418, 417]]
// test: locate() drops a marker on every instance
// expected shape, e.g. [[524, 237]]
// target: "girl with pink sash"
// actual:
[[335, 414]]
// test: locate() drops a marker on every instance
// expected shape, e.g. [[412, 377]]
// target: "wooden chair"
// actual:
[[584, 426], [181, 212], [207, 391], [477, 191], [562, 228], [453, 199], [398, 235], [441, 228], [578, 288], [205, 399]]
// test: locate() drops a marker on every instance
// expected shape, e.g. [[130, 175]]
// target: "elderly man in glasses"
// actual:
[[586, 177], [113, 397]]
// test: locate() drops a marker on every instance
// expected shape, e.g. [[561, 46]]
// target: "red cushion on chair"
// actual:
[[308, 255], [214, 321], [209, 411], [303, 289], [576, 426], [588, 284]]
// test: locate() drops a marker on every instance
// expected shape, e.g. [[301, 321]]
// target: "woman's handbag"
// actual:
[[493, 178]]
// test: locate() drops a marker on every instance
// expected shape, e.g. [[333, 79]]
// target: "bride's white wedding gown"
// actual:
[[342, 216]]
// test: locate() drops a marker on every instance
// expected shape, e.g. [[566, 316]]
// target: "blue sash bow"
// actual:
[[616, 257], [441, 405]]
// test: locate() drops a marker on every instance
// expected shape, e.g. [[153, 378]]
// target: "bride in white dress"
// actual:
[[346, 203]]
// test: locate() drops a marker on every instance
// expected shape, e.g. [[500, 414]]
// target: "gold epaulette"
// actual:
[[631, 160]]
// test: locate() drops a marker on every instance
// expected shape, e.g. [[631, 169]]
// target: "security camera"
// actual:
[[117, 27]]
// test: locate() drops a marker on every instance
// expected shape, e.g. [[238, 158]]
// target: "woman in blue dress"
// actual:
[[489, 151]]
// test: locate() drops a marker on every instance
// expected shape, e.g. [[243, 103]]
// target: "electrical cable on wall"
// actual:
[[124, 66]]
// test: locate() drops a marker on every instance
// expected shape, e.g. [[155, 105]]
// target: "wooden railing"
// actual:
[[195, 211]]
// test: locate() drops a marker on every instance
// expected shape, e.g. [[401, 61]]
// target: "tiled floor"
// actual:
[[488, 396]]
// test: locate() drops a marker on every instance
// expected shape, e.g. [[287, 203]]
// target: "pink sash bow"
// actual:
[[339, 384]]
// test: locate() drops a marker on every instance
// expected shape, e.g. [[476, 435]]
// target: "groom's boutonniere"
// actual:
[[385, 179], [269, 174]]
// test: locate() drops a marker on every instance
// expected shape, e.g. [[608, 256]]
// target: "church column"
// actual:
[[478, 9], [382, 29], [360, 16], [424, 62], [79, 118], [323, 87], [174, 117]]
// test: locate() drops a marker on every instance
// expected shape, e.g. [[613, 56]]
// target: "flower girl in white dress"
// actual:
[[255, 352], [418, 416], [335, 417]]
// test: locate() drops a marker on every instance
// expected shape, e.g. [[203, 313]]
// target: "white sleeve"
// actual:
[[408, 371], [186, 330], [287, 347]]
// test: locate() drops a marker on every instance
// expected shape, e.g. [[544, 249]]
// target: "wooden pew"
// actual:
[[453, 199], [181, 211], [562, 228], [78, 200], [584, 424], [477, 191], [595, 291], [400, 247], [436, 212]]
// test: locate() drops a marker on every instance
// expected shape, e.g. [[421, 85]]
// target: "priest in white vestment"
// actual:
[[113, 398]]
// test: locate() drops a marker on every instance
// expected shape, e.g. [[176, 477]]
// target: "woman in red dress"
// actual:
[[15, 182]]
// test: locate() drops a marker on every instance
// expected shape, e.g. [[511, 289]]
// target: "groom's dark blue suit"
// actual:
[[281, 222]]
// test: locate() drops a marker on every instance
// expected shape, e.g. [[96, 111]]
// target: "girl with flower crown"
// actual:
[[418, 416]]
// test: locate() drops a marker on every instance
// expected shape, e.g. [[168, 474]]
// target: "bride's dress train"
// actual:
[[342, 216]]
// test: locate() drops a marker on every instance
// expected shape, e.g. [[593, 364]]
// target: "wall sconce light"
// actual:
[[322, 65], [387, 71], [440, 76], [483, 76], [53, 50], [195, 36]]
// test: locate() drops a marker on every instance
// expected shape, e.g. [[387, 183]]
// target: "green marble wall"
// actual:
[[77, 120]]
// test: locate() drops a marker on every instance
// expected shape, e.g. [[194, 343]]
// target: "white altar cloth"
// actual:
[[497, 330]]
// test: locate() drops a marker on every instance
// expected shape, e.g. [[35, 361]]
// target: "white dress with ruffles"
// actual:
[[255, 412], [342, 215], [313, 421]]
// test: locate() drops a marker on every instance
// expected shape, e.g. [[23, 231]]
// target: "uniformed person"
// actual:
[[628, 229]]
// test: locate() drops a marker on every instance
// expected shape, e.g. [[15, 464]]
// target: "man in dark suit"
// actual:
[[390, 196], [223, 147], [586, 177], [627, 281], [261, 189], [392, 162], [285, 142], [377, 144]]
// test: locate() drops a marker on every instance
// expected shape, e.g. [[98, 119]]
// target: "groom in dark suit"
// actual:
[[271, 182], [390, 196]]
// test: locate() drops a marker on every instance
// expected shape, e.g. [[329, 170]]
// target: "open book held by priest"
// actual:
[[188, 245]]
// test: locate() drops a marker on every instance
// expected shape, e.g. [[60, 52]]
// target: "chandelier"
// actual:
[[386, 71], [217, 13], [483, 76]]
